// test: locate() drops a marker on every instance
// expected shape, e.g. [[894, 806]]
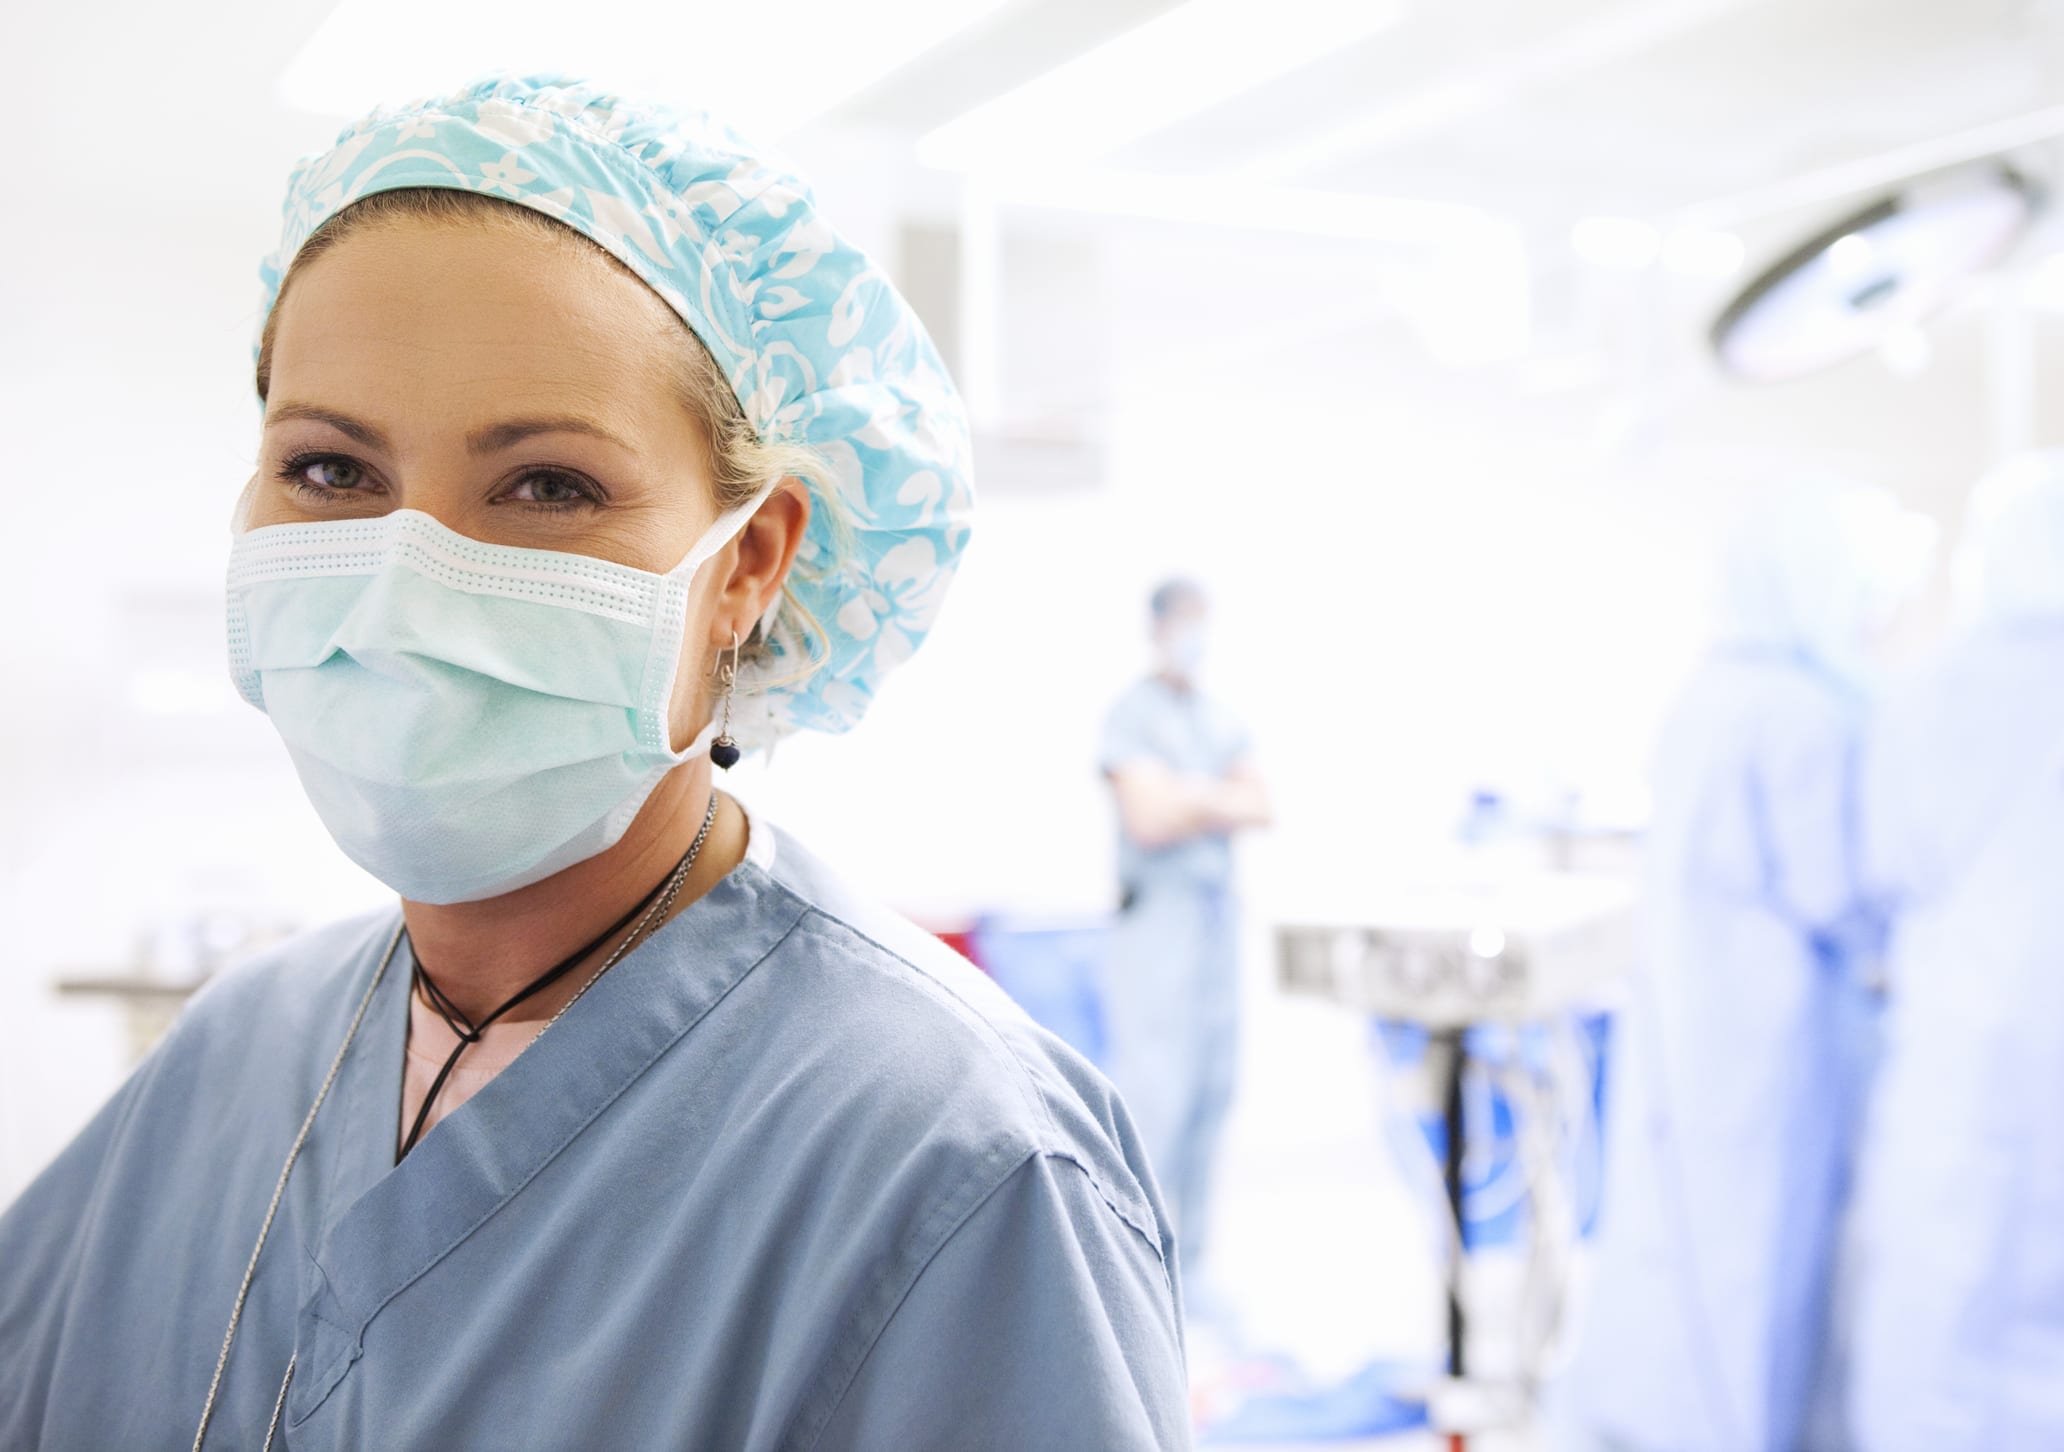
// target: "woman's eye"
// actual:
[[549, 489], [325, 474]]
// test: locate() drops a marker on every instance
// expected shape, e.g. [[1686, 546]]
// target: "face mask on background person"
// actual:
[[466, 718], [1184, 648]]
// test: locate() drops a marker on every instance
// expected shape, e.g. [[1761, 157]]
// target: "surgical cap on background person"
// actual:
[[819, 348], [1175, 594], [2010, 561], [1816, 566]]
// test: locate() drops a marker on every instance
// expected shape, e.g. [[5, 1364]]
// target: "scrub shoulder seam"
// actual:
[[1021, 1077], [960, 1222], [1056, 1143]]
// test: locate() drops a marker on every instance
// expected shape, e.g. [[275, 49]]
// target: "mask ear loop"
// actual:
[[724, 751], [724, 529]]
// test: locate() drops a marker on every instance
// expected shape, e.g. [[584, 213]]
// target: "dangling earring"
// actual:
[[724, 751]]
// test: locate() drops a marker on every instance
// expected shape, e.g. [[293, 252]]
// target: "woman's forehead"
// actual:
[[407, 308]]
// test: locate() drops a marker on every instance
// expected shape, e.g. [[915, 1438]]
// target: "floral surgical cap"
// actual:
[[818, 346]]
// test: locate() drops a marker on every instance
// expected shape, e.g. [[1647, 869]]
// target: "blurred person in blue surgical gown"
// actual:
[[1747, 1036], [1960, 1198], [1182, 770]]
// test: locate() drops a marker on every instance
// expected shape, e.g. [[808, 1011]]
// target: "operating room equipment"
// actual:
[[1497, 980]]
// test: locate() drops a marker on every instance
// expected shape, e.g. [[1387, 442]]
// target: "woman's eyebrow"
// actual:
[[343, 423], [500, 436], [484, 440]]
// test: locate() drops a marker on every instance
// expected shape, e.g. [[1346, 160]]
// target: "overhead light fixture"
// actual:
[[1470, 282], [1874, 276], [1450, 228], [1177, 64], [1851, 255], [731, 60]]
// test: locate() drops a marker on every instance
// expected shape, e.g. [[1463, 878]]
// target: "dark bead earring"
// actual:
[[724, 751]]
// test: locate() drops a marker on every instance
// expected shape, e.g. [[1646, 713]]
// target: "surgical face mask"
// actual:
[[1183, 649], [466, 718]]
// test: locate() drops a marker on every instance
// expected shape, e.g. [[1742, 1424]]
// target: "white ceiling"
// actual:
[[1549, 110], [1531, 108]]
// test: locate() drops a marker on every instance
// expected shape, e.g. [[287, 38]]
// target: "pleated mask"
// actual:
[[466, 718]]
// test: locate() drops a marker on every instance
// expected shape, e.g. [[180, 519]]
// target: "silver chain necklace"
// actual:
[[660, 907], [652, 916]]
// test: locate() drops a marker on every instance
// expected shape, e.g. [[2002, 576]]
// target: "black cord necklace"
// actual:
[[469, 1032]]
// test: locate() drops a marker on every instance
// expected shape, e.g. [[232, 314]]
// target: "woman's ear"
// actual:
[[764, 551]]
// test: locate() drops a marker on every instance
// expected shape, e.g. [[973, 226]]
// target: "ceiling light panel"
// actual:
[[766, 76], [1179, 63]]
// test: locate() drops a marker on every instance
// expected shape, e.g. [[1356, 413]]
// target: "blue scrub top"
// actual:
[[1192, 735], [791, 1175]]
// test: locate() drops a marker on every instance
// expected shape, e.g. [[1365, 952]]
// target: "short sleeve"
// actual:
[[1128, 737], [1045, 1321]]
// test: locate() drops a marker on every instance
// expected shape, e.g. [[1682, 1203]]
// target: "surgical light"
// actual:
[[1874, 276]]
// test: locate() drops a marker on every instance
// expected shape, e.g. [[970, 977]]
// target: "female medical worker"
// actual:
[[1959, 1338], [1746, 1040], [558, 387]]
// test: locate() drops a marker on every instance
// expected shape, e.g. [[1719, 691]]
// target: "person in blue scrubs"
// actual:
[[1960, 1269], [1743, 1050], [559, 391], [1183, 773]]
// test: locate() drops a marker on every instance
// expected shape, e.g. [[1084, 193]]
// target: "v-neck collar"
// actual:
[[385, 1225]]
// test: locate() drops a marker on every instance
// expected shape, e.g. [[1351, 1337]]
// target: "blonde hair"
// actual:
[[739, 461]]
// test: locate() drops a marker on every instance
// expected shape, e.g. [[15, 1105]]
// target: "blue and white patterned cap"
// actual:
[[818, 346]]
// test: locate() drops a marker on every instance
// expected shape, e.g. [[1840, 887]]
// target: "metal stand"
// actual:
[[1454, 1044], [1513, 952]]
